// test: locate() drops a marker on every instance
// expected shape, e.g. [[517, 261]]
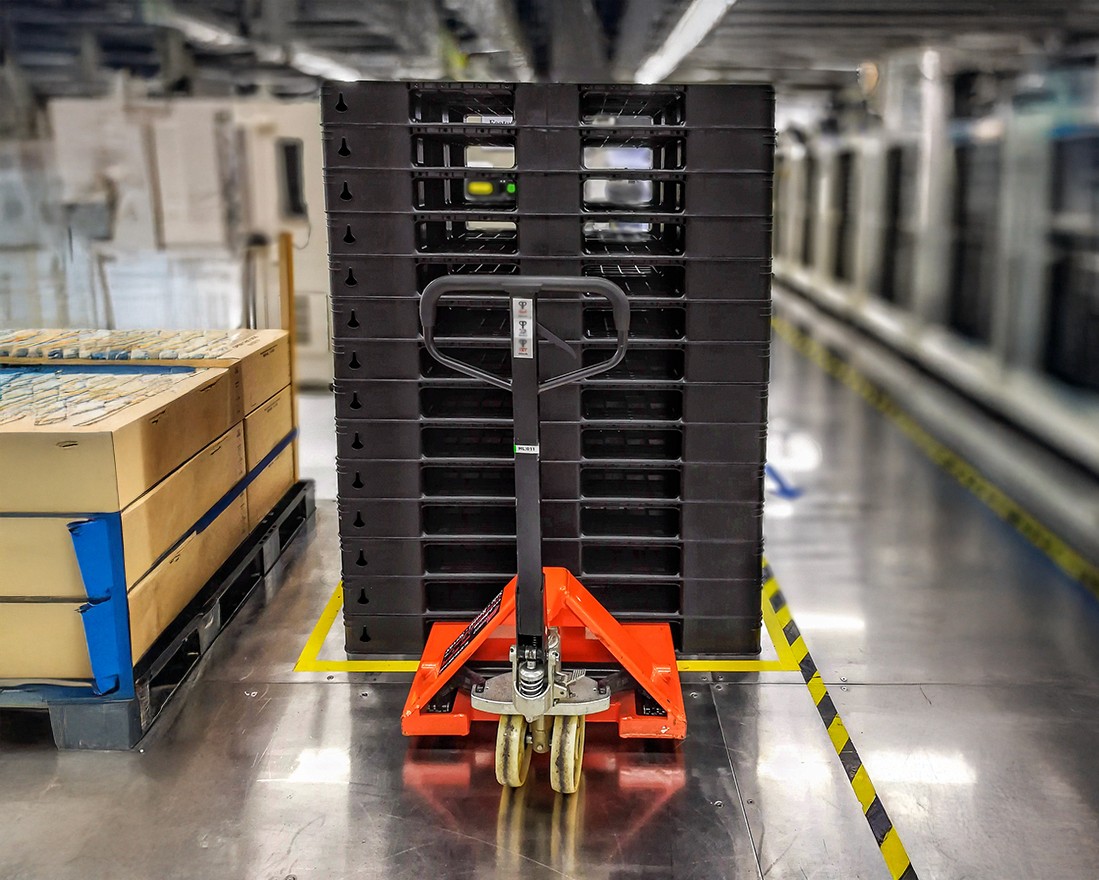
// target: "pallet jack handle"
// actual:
[[532, 646], [544, 615], [529, 286]]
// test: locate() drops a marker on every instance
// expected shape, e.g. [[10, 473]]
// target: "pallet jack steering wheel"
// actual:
[[539, 692]]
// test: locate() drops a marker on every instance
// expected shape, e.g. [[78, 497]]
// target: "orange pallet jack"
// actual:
[[544, 626]]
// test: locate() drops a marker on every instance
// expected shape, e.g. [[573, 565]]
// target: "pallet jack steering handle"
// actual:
[[530, 285]]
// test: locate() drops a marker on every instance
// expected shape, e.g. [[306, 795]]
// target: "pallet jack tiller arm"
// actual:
[[523, 292], [556, 620]]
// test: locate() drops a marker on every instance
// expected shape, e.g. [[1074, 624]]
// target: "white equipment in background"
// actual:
[[180, 202]]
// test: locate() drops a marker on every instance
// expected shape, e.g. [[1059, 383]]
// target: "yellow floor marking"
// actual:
[[892, 850], [817, 688], [309, 659], [838, 733], [864, 788], [1072, 563], [896, 858]]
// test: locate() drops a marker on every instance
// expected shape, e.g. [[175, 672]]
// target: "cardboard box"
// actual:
[[158, 598], [155, 522], [36, 553], [93, 442], [37, 558], [42, 641], [258, 360], [267, 425], [269, 487], [46, 640]]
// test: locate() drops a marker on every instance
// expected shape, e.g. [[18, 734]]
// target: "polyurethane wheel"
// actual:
[[566, 753], [513, 751]]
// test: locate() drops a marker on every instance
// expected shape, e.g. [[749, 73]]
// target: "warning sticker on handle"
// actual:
[[522, 327], [472, 631]]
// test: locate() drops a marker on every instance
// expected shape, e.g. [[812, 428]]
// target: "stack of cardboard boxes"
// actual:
[[178, 442]]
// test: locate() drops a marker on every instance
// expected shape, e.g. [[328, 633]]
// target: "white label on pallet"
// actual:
[[522, 327]]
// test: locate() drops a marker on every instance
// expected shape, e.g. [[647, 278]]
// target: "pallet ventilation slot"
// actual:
[[466, 442], [641, 522], [494, 360], [619, 150], [465, 403], [641, 280], [475, 482], [460, 596], [633, 194], [464, 237], [624, 559], [645, 444], [441, 519], [623, 237], [631, 108], [470, 558], [644, 323], [463, 150], [428, 270], [496, 192], [637, 598], [461, 104], [476, 322], [630, 483], [629, 404], [655, 364]]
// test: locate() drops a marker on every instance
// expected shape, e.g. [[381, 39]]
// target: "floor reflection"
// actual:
[[610, 828]]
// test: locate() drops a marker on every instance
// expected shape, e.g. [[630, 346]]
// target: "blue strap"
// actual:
[[234, 493], [783, 489], [62, 365], [97, 543]]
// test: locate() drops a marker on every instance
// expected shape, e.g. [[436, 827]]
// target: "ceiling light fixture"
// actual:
[[323, 66], [700, 17]]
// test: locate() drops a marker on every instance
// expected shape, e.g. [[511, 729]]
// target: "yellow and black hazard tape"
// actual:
[[1072, 563], [887, 837]]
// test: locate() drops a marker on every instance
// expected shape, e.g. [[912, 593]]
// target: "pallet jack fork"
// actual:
[[544, 625]]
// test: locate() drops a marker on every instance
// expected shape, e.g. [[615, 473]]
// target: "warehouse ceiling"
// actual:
[[65, 47], [812, 43]]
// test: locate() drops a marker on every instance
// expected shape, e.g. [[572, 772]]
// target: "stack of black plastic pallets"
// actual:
[[652, 474]]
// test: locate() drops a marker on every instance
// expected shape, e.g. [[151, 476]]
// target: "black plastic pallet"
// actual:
[[606, 236], [466, 595], [477, 318], [472, 517], [549, 105], [419, 440], [495, 555], [595, 402], [361, 276], [404, 635], [689, 481], [642, 466], [80, 721], [587, 191]]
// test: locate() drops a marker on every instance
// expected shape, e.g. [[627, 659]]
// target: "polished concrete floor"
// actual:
[[961, 661]]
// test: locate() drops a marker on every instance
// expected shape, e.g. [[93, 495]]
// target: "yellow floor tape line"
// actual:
[[1072, 563], [793, 656], [888, 840], [309, 659]]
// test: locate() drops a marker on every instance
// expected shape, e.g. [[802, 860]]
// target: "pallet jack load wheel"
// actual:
[[513, 751], [567, 753]]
